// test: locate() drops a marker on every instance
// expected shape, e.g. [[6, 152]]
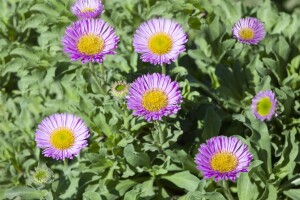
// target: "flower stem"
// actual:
[[126, 120], [94, 75], [241, 51], [227, 190], [160, 133], [163, 69], [66, 163], [102, 69]]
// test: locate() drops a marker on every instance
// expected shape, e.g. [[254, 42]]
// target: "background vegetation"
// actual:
[[125, 158]]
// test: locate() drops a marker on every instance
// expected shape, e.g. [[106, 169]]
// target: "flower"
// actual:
[[89, 40], [223, 158], [264, 105], [159, 41], [61, 136], [153, 96], [40, 176], [87, 8], [119, 89], [249, 30]]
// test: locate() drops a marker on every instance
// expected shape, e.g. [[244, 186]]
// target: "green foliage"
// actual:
[[128, 158]]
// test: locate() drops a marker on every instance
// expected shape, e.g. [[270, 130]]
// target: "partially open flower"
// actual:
[[40, 176], [119, 89], [264, 105]]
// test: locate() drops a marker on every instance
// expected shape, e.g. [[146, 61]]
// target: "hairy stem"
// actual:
[[98, 83], [164, 69], [227, 190]]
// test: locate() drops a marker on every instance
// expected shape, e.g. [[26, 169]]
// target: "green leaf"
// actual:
[[273, 66], [282, 48], [232, 83], [179, 71], [25, 193], [132, 195], [286, 165], [287, 96], [158, 9], [268, 15], [89, 195], [183, 157], [212, 124], [213, 196], [147, 188], [203, 196], [264, 84], [71, 189], [246, 190], [34, 21], [194, 23], [216, 29], [44, 8], [125, 185], [23, 52], [15, 65], [100, 122], [292, 193], [231, 10], [133, 60], [292, 27], [136, 158], [183, 180], [260, 137], [270, 192], [282, 24]]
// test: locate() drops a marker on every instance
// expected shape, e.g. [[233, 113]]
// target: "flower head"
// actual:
[[40, 176], [264, 105], [89, 40], [87, 8], [223, 158], [119, 89], [249, 30], [61, 136], [159, 41], [153, 96]]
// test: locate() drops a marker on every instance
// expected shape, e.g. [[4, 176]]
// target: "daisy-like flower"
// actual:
[[87, 8], [159, 41], [153, 96], [249, 30], [61, 136], [119, 89], [264, 105], [40, 176], [89, 40], [223, 158]]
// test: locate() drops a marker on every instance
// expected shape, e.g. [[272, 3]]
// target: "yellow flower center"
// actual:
[[160, 43], [264, 106], [223, 162], [90, 44], [62, 138], [154, 100], [246, 33], [85, 10]]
